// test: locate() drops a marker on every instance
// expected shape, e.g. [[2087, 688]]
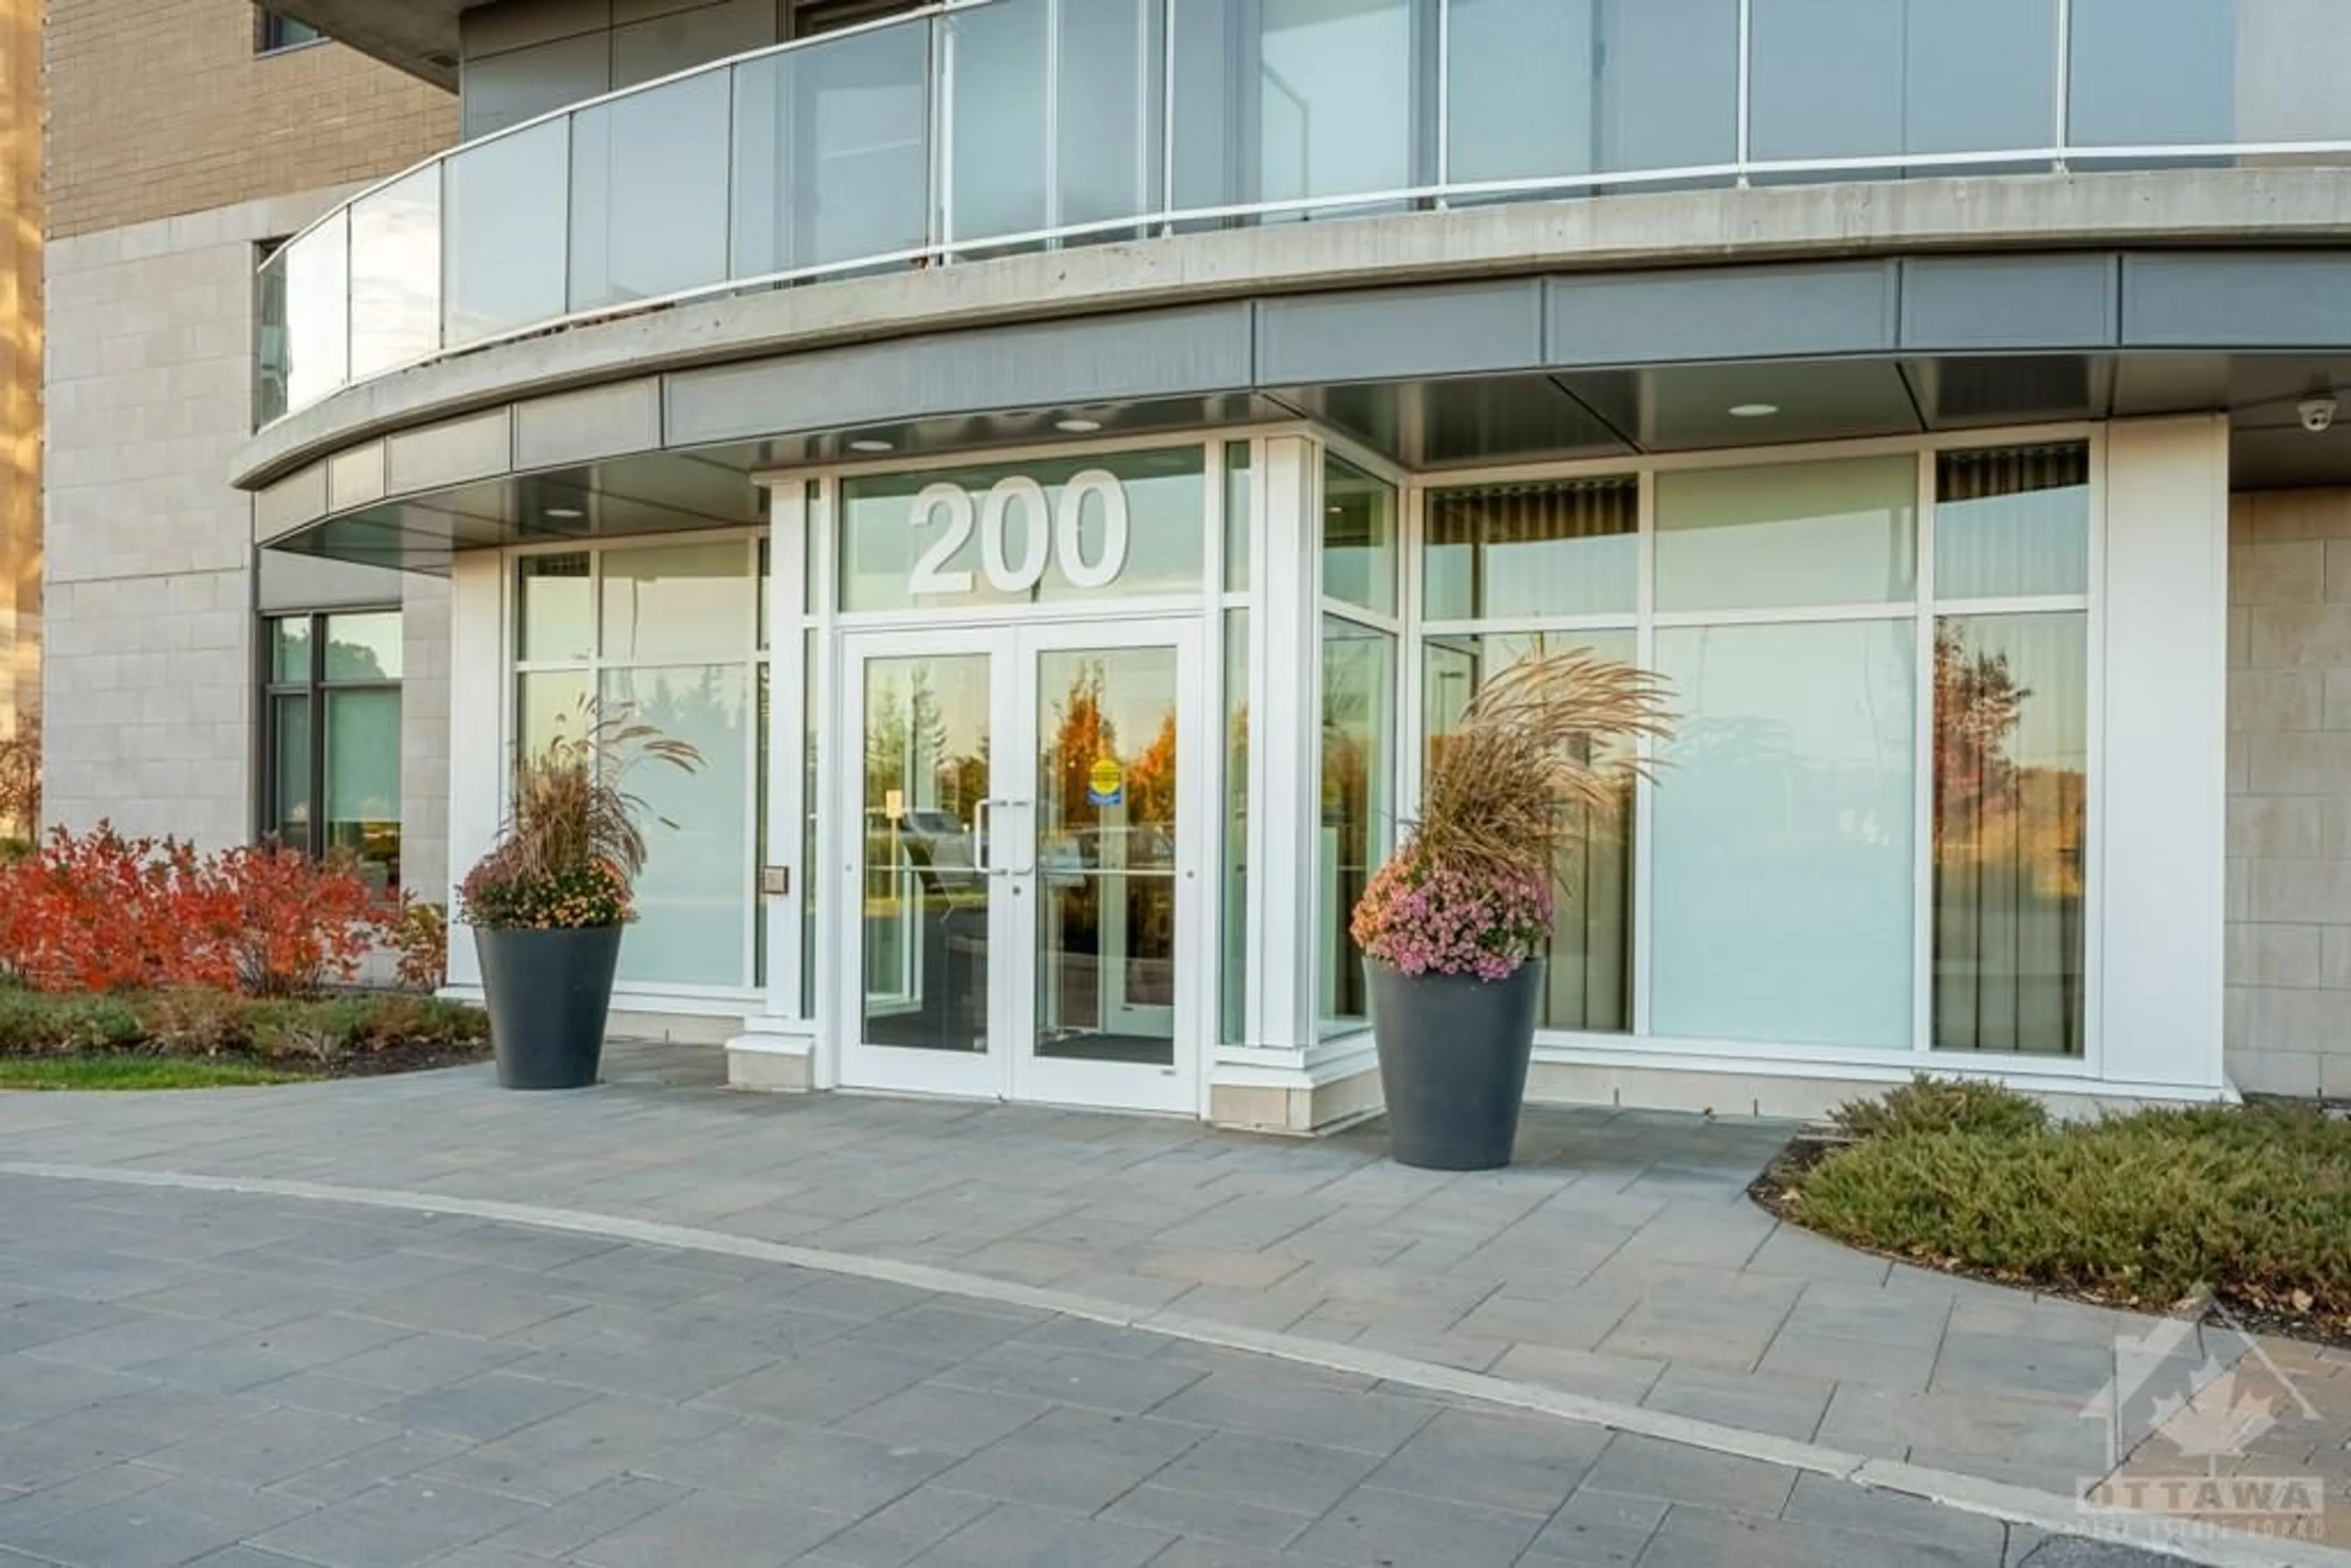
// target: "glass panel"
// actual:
[[556, 618], [649, 193], [759, 850], [549, 704], [2154, 72], [1561, 547], [364, 647], [693, 898], [812, 682], [1108, 113], [1358, 817], [507, 201], [1589, 983], [2013, 521], [271, 353], [289, 649], [1239, 522], [677, 601], [1334, 83], [1788, 534], [290, 732], [1783, 862], [998, 118], [984, 536], [832, 151], [924, 920], [396, 274], [1871, 78], [1359, 538], [1234, 975], [1542, 88], [363, 782], [2011, 764], [318, 311], [1106, 855]]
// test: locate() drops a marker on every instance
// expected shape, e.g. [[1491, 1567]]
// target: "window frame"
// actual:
[[1924, 609], [314, 689], [268, 34]]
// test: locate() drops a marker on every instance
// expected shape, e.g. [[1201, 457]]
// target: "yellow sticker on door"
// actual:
[[1105, 782]]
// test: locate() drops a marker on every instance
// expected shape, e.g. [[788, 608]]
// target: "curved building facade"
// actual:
[[1067, 464]]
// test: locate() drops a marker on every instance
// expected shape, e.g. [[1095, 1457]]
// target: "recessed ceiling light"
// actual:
[[1078, 426], [868, 444], [568, 514], [1753, 410]]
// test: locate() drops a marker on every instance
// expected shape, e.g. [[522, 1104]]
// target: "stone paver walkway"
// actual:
[[1618, 1262], [246, 1381]]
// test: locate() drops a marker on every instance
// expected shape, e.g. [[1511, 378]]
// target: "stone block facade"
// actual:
[[158, 110], [2289, 883], [152, 671]]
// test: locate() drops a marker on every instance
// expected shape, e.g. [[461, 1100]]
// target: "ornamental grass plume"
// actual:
[[1543, 758], [569, 853]]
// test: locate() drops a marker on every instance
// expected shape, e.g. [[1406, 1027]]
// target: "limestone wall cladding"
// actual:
[[2288, 887], [150, 672]]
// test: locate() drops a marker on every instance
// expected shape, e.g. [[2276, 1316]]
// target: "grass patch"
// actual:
[[134, 1073], [2252, 1206], [367, 1032]]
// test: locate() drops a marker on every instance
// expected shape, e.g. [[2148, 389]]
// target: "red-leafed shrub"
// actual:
[[419, 933], [100, 912]]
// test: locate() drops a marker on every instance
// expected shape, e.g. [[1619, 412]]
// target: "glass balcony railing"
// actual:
[[989, 127]]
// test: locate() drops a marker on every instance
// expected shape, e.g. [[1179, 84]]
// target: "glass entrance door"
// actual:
[[1024, 864]]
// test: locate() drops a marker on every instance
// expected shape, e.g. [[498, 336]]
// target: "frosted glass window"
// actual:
[[2156, 72], [1359, 538], [1788, 534], [1783, 862], [363, 781], [1872, 78], [1238, 523], [693, 902], [908, 544], [832, 151], [1548, 547], [678, 601], [2013, 521], [1357, 823], [1000, 100], [557, 619], [1334, 81], [548, 705]]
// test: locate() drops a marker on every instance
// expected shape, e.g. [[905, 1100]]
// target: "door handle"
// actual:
[[981, 851]]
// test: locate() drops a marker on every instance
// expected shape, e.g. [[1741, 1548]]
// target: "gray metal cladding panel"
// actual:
[[293, 500], [472, 447], [1378, 334], [1158, 353], [578, 427], [2223, 301], [1721, 313], [1967, 304]]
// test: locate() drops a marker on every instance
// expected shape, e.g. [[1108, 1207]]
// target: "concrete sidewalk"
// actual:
[[1619, 1261]]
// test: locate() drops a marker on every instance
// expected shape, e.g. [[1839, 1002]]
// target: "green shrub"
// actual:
[[2146, 1209], [202, 1022], [1943, 1105]]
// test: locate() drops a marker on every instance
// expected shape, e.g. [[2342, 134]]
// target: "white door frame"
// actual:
[[1009, 1068]]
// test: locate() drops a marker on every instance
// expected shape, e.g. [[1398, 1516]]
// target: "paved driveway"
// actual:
[[241, 1381], [1618, 1268]]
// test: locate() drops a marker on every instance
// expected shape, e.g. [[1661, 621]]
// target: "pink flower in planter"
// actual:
[[1435, 920]]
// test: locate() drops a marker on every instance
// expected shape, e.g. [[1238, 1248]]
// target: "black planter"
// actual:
[[1453, 1062], [548, 993]]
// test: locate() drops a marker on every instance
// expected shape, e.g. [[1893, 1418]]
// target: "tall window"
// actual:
[[668, 632], [1509, 571], [273, 32], [331, 736], [1359, 683], [2011, 748]]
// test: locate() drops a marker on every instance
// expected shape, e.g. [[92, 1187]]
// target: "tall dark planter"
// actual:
[[1453, 1062], [548, 994]]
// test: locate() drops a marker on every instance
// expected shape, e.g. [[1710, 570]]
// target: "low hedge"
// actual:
[[329, 1031], [2149, 1210]]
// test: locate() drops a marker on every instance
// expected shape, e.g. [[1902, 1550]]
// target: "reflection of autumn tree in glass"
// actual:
[[1150, 781], [1989, 807]]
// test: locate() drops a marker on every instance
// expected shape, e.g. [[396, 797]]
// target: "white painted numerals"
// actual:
[[1015, 512]]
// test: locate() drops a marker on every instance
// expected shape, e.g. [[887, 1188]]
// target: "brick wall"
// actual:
[[2289, 898], [161, 106]]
